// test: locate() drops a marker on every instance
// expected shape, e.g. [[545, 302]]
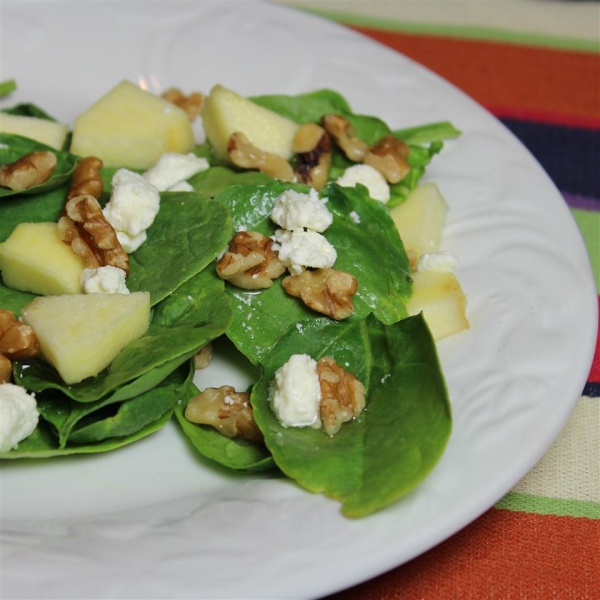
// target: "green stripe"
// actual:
[[542, 505], [589, 225], [460, 31]]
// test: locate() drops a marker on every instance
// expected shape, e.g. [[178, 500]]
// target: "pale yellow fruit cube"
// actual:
[[47, 132], [81, 334], [133, 128], [420, 220], [226, 112], [34, 259], [440, 297]]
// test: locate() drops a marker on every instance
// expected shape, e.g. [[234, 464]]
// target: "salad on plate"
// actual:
[[297, 233]]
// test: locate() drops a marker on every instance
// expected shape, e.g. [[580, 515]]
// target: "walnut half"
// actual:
[[250, 262], [17, 342], [247, 156], [312, 146], [228, 411], [90, 235], [328, 291], [30, 170], [342, 395]]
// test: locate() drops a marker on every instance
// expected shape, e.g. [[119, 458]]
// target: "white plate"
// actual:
[[154, 520]]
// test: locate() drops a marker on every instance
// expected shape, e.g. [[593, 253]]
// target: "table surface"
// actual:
[[542, 540]]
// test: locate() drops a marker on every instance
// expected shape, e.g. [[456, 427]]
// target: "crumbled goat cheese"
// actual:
[[182, 186], [104, 280], [368, 176], [437, 261], [18, 415], [354, 217], [296, 393], [173, 168], [132, 208], [293, 210], [301, 249]]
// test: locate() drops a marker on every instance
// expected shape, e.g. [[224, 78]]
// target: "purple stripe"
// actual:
[[583, 202]]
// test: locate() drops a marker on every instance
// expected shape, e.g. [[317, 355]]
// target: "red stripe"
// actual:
[[544, 80], [504, 555], [548, 117]]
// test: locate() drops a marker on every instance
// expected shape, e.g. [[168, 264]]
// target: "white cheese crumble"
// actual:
[[18, 415], [132, 208], [442, 262], [182, 186], [368, 176], [294, 210], [104, 280], [173, 168], [301, 249], [296, 393]]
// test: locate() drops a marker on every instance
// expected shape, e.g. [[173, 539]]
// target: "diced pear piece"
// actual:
[[47, 132], [420, 220], [130, 127], [226, 112], [441, 299], [34, 259], [81, 334]]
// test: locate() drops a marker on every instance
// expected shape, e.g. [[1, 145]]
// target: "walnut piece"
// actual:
[[86, 230], [227, 411], [5, 369], [312, 146], [342, 395], [87, 179], [17, 342], [203, 357], [247, 156], [192, 104], [28, 171], [250, 262], [343, 133], [388, 156], [327, 291]]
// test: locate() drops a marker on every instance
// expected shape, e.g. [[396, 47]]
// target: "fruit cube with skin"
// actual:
[[47, 132], [226, 112], [81, 334], [34, 259], [420, 220], [130, 127], [440, 297]]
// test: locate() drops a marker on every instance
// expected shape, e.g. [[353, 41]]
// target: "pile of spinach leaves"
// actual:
[[373, 460]]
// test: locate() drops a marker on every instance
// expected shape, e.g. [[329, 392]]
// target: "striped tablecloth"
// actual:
[[536, 66]]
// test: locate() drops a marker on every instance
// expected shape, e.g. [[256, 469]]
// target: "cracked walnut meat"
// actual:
[[250, 262], [342, 395], [28, 171], [85, 228], [17, 342], [327, 291], [227, 411]]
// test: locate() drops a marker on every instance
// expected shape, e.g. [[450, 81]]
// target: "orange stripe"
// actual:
[[517, 555], [496, 74]]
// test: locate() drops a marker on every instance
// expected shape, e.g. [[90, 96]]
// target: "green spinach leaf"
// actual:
[[194, 314], [399, 437], [363, 235], [13, 147], [233, 454]]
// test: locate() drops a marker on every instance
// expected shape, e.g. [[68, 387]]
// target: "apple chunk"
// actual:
[[130, 127], [420, 220], [81, 334], [441, 299], [226, 112], [34, 259], [47, 132]]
